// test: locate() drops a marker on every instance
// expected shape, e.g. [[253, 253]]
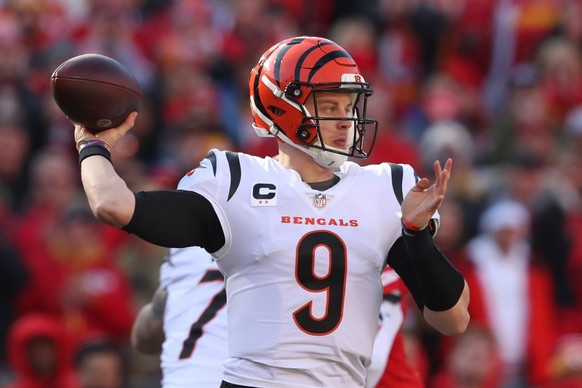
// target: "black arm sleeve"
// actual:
[[432, 280], [176, 218], [400, 261]]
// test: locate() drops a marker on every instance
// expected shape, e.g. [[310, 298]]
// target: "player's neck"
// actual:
[[328, 184], [309, 171]]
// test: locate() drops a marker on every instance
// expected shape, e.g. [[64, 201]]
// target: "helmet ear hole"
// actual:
[[306, 133], [293, 92], [298, 92]]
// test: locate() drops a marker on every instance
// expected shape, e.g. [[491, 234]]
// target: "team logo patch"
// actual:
[[264, 194], [319, 200]]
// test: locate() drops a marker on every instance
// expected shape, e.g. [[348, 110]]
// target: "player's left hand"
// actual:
[[423, 200]]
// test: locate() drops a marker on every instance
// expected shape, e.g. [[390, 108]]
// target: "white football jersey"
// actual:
[[302, 267], [196, 342]]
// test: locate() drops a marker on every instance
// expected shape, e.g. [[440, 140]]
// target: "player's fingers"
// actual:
[[127, 124], [449, 165], [130, 119], [421, 185], [437, 202], [111, 136], [443, 181], [442, 176]]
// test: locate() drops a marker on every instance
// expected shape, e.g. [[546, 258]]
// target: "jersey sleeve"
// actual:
[[213, 179], [188, 216]]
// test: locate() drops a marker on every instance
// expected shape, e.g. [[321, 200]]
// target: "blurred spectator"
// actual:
[[39, 353], [466, 47], [110, 28], [399, 52], [429, 21], [94, 295], [524, 124], [70, 257], [358, 37], [51, 189], [450, 139], [518, 29], [447, 139], [315, 18], [14, 143], [27, 31], [454, 231], [184, 148], [100, 363], [566, 363], [509, 72], [41, 23], [568, 25], [13, 277], [472, 362], [511, 295], [530, 180], [440, 100], [569, 167], [391, 143], [560, 60]]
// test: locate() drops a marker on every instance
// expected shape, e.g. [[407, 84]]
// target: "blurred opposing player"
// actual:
[[186, 321], [390, 367]]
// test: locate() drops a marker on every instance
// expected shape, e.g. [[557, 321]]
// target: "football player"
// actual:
[[185, 322], [302, 238]]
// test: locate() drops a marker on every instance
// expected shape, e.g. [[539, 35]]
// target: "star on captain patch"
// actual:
[[319, 200]]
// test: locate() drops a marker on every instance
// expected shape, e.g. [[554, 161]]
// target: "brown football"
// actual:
[[95, 91]]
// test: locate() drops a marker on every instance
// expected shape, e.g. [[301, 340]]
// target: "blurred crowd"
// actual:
[[496, 85]]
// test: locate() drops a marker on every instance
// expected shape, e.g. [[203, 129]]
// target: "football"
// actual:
[[95, 91]]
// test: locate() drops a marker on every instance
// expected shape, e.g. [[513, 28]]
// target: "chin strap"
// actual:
[[323, 158]]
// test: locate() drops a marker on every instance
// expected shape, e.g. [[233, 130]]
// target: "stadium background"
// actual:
[[497, 85]]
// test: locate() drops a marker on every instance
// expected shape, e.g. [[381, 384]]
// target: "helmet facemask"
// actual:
[[361, 132]]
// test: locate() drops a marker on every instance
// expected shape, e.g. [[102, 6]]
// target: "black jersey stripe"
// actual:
[[211, 276], [397, 174], [197, 328], [212, 158], [235, 173]]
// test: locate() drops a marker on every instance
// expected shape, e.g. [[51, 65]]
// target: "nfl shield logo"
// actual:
[[319, 200]]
